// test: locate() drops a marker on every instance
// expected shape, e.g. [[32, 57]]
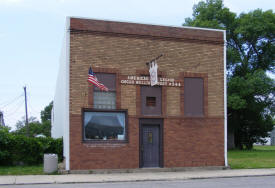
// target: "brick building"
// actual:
[[178, 123]]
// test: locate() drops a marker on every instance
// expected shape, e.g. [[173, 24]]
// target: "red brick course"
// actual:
[[102, 155], [188, 142], [193, 142]]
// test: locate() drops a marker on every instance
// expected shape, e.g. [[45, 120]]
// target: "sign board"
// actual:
[[145, 80]]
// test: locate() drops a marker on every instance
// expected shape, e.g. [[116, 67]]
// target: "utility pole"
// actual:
[[26, 110]]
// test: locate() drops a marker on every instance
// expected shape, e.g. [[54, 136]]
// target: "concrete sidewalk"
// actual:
[[128, 177]]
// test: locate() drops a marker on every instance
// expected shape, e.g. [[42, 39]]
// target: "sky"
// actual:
[[32, 31]]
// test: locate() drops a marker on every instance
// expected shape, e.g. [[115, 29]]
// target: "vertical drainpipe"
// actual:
[[225, 102]]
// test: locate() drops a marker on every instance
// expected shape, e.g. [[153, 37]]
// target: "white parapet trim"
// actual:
[[67, 98], [225, 103]]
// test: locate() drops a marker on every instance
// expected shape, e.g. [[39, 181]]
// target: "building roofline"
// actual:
[[130, 28], [146, 23]]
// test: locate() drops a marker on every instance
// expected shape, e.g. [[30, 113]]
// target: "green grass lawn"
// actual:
[[21, 170], [259, 157]]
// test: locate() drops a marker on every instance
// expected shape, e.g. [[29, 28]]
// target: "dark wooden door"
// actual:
[[150, 147]]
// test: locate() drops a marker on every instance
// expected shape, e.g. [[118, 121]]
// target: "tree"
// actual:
[[46, 116], [250, 54], [47, 112], [46, 127], [21, 123], [34, 127], [5, 129]]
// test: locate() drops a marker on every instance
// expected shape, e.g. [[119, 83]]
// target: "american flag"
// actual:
[[92, 79]]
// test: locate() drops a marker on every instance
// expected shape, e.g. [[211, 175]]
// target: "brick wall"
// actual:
[[187, 141], [193, 142]]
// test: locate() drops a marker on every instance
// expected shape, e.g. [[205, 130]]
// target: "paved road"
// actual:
[[238, 182]]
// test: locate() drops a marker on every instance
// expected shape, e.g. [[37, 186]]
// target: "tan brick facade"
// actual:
[[186, 141]]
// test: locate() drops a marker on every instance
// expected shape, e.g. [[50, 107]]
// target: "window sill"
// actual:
[[194, 117], [105, 141]]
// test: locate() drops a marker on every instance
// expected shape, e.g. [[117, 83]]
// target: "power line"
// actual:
[[16, 112], [19, 104], [10, 102], [13, 105], [30, 105], [12, 109]]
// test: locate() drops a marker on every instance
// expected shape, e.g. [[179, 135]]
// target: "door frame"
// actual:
[[151, 121]]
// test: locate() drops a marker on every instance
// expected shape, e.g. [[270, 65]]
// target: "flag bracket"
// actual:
[[148, 63]]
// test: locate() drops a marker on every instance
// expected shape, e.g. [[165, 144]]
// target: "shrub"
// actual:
[[18, 149], [5, 143]]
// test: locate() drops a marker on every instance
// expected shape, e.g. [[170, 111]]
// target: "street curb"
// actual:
[[144, 170], [54, 179], [144, 180]]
